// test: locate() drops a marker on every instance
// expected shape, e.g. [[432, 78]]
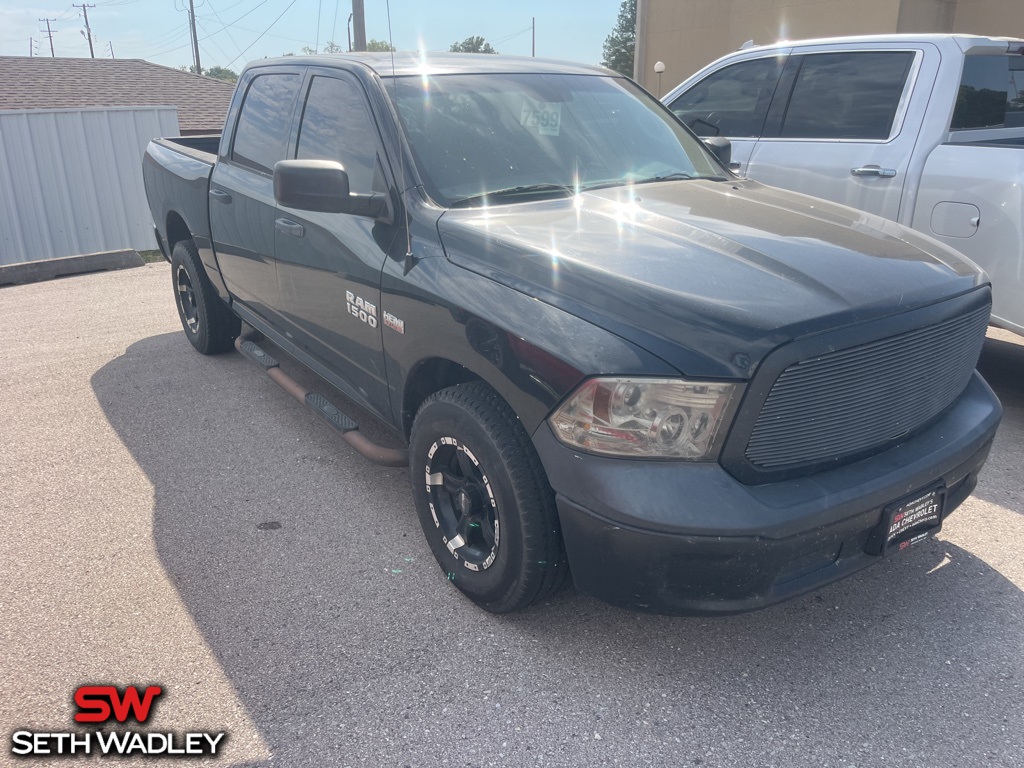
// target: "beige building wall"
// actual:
[[996, 18], [688, 34]]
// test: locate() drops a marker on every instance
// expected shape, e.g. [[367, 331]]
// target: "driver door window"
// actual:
[[732, 102]]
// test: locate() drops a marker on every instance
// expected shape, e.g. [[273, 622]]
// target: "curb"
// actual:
[[48, 269]]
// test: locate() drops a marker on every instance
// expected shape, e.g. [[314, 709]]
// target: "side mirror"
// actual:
[[311, 185], [322, 185], [720, 147]]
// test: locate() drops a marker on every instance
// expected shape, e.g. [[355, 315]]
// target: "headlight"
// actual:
[[647, 418]]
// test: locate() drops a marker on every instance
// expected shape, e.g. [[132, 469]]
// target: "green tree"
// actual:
[[222, 73], [473, 45], [217, 73], [329, 47], [620, 45], [379, 45]]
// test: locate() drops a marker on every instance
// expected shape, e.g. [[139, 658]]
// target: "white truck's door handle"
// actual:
[[873, 170]]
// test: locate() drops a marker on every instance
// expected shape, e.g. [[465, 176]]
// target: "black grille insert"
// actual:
[[844, 403]]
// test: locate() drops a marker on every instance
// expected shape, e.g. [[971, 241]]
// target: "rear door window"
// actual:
[[731, 102], [991, 93], [850, 95], [261, 135]]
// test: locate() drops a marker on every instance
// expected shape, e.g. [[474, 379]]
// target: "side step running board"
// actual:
[[347, 427]]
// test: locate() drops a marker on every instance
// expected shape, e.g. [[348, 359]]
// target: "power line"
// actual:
[[229, 24], [233, 42], [63, 15], [142, 48], [513, 35], [248, 29], [262, 33], [209, 37]]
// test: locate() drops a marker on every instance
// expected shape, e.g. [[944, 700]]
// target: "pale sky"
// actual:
[[230, 30]]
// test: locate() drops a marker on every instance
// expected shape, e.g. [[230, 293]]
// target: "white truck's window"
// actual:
[[263, 123], [336, 125], [731, 102], [849, 95], [991, 93]]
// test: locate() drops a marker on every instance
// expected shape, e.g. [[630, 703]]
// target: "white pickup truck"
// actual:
[[926, 130]]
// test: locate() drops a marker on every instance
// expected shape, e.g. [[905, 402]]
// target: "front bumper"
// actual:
[[680, 538]]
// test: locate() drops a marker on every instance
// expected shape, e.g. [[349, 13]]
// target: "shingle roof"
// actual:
[[48, 83]]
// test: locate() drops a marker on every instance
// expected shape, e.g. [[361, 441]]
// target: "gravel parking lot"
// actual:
[[137, 474]]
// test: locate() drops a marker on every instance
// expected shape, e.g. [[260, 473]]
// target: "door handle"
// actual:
[[220, 195], [289, 227], [873, 170]]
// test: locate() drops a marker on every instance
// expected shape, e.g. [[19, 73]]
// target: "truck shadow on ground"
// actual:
[[345, 643]]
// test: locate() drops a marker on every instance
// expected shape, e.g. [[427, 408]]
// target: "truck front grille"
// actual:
[[848, 402]]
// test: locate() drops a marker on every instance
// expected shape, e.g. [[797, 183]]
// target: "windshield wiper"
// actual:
[[511, 193], [676, 176]]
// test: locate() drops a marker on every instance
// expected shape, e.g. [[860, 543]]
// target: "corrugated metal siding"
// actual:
[[71, 180]]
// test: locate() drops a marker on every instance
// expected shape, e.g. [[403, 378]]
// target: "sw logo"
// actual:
[[98, 704]]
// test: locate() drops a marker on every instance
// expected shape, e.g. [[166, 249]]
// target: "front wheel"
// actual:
[[483, 499], [208, 322]]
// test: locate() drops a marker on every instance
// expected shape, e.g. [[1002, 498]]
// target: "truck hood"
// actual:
[[709, 276]]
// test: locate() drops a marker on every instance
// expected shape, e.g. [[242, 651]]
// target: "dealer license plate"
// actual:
[[906, 523]]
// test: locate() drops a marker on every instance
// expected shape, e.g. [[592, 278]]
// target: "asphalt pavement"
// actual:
[[173, 519]]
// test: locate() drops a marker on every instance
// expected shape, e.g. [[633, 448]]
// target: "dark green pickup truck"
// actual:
[[608, 355]]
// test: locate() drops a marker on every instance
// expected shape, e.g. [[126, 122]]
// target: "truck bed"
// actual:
[[176, 172], [203, 148]]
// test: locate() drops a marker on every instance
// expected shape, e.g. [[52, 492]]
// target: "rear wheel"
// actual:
[[208, 323], [483, 499]]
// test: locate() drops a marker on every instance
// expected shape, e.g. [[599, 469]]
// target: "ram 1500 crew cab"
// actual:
[[926, 130], [607, 354]]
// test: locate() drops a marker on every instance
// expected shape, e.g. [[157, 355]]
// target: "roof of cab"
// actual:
[[965, 41], [422, 63]]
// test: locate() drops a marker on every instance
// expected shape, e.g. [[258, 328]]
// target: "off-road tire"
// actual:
[[529, 561], [208, 323]]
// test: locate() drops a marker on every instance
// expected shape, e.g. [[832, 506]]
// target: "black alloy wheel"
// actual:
[[483, 499], [209, 323], [462, 503]]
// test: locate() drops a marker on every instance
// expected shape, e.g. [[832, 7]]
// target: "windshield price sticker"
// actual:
[[545, 116]]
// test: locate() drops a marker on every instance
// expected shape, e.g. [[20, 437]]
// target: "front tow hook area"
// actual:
[[320, 405]]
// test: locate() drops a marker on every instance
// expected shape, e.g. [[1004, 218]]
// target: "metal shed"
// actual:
[[71, 180]]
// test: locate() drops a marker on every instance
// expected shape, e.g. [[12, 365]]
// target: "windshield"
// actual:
[[498, 138]]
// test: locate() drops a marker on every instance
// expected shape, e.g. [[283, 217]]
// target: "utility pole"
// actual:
[[30, 44], [195, 39], [111, 44], [88, 31], [358, 26], [534, 36], [49, 34]]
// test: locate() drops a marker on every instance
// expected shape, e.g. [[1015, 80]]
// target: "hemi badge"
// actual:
[[393, 322]]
